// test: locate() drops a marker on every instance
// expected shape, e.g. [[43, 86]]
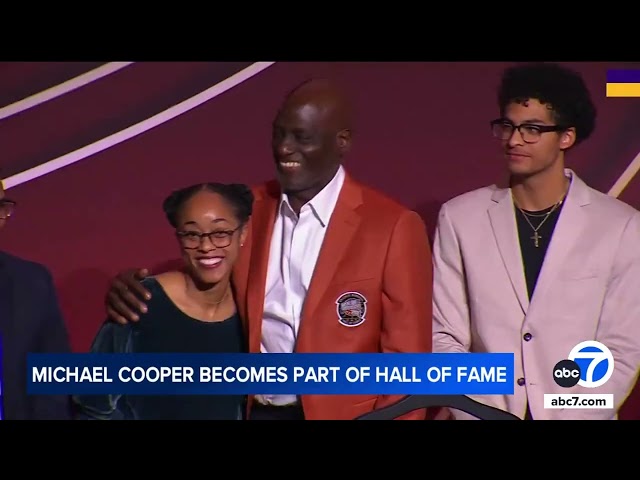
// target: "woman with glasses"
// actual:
[[190, 311]]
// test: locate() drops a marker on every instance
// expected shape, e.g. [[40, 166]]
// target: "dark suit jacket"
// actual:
[[30, 322]]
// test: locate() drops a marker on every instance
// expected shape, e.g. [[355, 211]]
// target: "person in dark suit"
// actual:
[[30, 322]]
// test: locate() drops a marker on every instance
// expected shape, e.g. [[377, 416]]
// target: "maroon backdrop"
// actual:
[[422, 136]]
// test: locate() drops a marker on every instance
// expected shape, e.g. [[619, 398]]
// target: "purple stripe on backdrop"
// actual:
[[623, 76]]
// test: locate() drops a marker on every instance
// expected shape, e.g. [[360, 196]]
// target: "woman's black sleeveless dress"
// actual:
[[166, 329]]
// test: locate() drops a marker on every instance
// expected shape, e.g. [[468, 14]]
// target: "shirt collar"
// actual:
[[323, 204]]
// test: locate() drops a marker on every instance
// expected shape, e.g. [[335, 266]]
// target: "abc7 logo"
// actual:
[[594, 372]]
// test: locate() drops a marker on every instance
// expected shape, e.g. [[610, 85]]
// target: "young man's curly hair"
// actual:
[[563, 90]]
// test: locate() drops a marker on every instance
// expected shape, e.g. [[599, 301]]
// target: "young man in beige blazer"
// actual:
[[545, 262]]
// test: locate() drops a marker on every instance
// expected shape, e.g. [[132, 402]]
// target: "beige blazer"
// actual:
[[588, 289]]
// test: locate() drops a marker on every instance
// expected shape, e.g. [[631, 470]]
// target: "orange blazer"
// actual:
[[374, 247]]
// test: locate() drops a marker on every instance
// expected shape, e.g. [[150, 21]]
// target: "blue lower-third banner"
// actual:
[[289, 373]]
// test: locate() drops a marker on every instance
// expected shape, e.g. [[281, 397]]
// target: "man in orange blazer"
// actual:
[[329, 265]]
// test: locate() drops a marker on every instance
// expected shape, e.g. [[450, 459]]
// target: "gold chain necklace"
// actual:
[[536, 237]]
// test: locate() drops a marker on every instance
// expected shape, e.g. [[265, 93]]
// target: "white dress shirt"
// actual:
[[295, 246]]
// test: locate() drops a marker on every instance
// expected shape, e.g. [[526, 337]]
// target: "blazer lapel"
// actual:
[[262, 222], [337, 241], [568, 230], [503, 223]]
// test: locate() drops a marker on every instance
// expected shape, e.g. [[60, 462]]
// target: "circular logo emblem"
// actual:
[[595, 361], [566, 373]]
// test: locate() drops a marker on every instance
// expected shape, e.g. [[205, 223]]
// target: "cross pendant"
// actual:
[[536, 239]]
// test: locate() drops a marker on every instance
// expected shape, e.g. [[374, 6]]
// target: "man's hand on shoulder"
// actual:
[[126, 297]]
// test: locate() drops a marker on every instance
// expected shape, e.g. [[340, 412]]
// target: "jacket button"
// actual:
[[527, 337], [521, 381]]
